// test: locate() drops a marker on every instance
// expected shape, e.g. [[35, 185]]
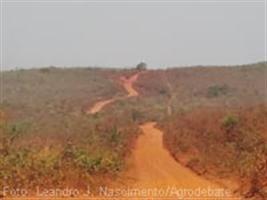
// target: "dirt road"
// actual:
[[127, 84], [151, 166], [100, 105]]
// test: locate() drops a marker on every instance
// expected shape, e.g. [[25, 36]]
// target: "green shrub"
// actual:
[[136, 115], [92, 162], [46, 160], [230, 121], [217, 90], [9, 132], [114, 136], [141, 66], [45, 70]]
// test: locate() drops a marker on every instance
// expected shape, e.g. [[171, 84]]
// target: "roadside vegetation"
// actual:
[[227, 144], [213, 119], [46, 138], [95, 152]]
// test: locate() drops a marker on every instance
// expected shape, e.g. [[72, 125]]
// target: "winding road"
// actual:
[[99, 106], [152, 166], [127, 84]]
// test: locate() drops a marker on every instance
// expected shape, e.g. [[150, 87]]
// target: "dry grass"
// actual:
[[185, 88], [207, 113], [46, 139], [213, 121], [226, 143]]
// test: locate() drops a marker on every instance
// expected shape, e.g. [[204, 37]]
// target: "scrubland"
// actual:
[[213, 119]]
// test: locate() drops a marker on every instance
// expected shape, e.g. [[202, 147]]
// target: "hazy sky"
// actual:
[[119, 35]]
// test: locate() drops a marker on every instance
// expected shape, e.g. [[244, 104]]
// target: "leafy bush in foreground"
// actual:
[[98, 152]]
